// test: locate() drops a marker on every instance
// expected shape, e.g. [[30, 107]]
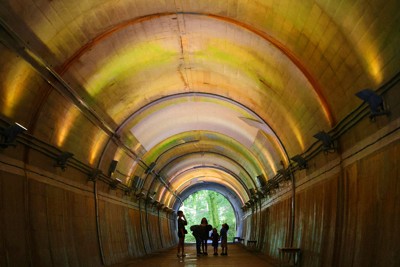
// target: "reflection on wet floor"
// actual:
[[238, 256]]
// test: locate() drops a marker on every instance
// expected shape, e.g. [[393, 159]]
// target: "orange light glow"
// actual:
[[118, 154], [66, 123], [278, 147], [162, 192], [374, 68], [98, 142], [168, 200], [15, 83], [367, 50]]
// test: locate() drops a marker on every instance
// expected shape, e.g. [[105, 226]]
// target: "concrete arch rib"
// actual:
[[221, 168], [268, 38], [169, 137], [205, 175], [255, 121]]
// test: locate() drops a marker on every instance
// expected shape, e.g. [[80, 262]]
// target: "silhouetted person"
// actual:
[[205, 229], [215, 239], [224, 239], [181, 232], [196, 231]]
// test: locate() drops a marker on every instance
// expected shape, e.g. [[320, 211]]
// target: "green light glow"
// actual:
[[243, 59], [136, 59]]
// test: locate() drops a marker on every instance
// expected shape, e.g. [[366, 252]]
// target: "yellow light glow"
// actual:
[[131, 169], [164, 198], [66, 123], [166, 194], [98, 142], [169, 199], [270, 161], [162, 192], [118, 154], [280, 149], [15, 84], [370, 54], [182, 180], [374, 67], [365, 42], [296, 132], [142, 56]]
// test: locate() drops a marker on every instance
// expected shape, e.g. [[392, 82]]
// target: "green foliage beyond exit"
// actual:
[[212, 205]]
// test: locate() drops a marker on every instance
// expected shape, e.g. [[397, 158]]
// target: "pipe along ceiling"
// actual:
[[170, 97]]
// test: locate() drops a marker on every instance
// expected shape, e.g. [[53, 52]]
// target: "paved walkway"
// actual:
[[238, 256]]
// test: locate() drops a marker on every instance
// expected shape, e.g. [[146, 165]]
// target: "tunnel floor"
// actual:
[[238, 256]]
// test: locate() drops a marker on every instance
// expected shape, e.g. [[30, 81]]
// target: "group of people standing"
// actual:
[[201, 233], [223, 236]]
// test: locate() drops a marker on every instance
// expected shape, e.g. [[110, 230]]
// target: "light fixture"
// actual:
[[135, 182], [285, 173], [9, 134], [161, 179], [140, 195], [253, 194], [261, 194], [114, 183], [112, 167], [252, 191], [301, 162], [94, 175], [128, 191], [261, 180], [374, 101], [327, 143], [141, 183], [149, 199], [255, 197], [150, 168], [61, 160], [272, 186]]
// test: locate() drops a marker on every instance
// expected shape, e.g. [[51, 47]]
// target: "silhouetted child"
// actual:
[[224, 239], [215, 239]]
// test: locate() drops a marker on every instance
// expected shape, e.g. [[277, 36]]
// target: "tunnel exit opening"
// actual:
[[215, 207]]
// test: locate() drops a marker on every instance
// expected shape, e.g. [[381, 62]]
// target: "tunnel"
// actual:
[[112, 113]]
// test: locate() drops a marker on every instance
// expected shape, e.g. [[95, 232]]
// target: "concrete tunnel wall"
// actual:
[[347, 205], [346, 219], [50, 220], [346, 208]]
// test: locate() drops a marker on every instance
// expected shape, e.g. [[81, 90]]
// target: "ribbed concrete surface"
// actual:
[[238, 256]]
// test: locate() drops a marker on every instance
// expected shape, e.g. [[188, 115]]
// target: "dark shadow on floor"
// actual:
[[238, 256]]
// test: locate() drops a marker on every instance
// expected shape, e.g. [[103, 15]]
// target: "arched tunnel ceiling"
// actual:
[[212, 92]]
